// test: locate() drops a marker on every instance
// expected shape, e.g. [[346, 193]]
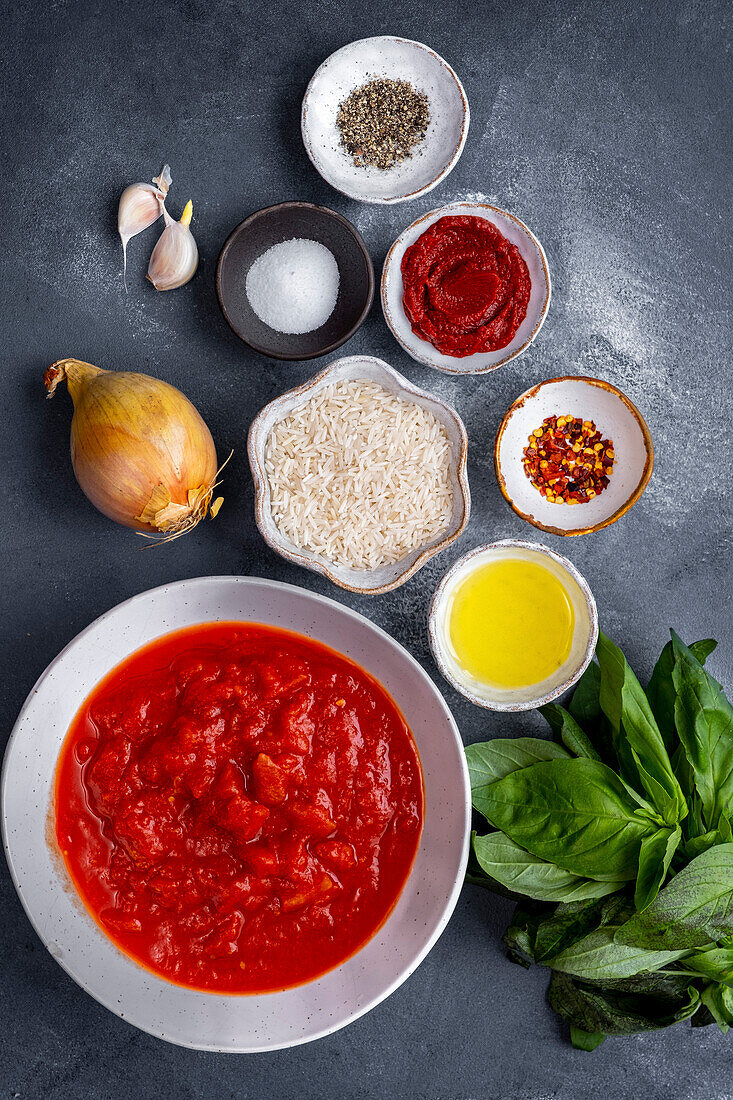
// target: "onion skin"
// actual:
[[141, 452]]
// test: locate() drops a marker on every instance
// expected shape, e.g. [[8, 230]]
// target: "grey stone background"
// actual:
[[606, 126]]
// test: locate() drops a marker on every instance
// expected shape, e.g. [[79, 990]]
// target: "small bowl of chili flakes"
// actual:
[[573, 455]]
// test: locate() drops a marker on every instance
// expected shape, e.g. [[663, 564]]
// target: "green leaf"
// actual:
[[715, 964], [661, 984], [661, 690], [585, 704], [627, 708], [598, 1010], [519, 938], [507, 863], [704, 720], [722, 835], [701, 650], [655, 857], [564, 726], [491, 760], [693, 910], [598, 957], [585, 1040], [477, 877], [718, 999], [573, 812], [571, 921]]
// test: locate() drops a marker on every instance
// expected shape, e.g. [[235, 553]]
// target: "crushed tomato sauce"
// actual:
[[466, 288], [239, 807]]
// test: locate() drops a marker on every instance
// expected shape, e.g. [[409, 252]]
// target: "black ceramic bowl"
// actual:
[[270, 226]]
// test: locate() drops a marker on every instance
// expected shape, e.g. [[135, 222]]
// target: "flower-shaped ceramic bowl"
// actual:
[[367, 582], [615, 416], [585, 634], [393, 58], [539, 300]]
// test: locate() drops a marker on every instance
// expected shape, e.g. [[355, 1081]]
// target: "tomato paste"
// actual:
[[465, 286], [239, 807]]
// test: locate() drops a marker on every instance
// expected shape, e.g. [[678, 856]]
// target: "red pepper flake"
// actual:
[[567, 460]]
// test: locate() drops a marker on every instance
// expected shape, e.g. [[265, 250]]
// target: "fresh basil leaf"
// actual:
[[697, 844], [571, 921], [661, 695], [519, 938], [585, 705], [585, 1040], [694, 909], [718, 999], [564, 726], [701, 650], [660, 984], [491, 760], [704, 719], [598, 1010], [574, 812], [715, 965], [598, 957], [503, 860], [477, 877], [655, 856], [661, 690], [630, 715]]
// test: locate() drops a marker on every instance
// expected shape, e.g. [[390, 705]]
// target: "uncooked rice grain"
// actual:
[[359, 475]]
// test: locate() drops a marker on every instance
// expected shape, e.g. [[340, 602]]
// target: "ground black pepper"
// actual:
[[382, 121]]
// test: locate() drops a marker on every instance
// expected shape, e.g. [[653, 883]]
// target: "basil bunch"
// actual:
[[616, 840]]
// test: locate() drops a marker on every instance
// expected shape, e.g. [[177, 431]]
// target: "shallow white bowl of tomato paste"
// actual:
[[216, 1021], [392, 290]]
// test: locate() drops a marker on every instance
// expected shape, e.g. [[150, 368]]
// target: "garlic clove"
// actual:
[[141, 204], [175, 256]]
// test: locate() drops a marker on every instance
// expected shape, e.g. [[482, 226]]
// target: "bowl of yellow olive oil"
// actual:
[[513, 625]]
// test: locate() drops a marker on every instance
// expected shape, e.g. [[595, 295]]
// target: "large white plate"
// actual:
[[211, 1021]]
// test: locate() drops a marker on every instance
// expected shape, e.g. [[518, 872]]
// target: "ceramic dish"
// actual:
[[396, 58], [283, 222], [617, 418], [532, 252], [182, 1015], [386, 577], [584, 638]]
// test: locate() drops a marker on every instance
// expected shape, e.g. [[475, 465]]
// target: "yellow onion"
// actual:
[[140, 450]]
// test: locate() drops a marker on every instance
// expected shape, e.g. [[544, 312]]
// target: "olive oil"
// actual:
[[510, 623]]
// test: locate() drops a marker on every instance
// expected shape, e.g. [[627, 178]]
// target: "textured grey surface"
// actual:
[[606, 126]]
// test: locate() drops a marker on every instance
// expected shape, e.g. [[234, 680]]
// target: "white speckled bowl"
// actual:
[[584, 638], [539, 300], [394, 58], [367, 582], [615, 416], [210, 1021]]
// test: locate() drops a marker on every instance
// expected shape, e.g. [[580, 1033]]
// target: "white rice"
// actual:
[[359, 476]]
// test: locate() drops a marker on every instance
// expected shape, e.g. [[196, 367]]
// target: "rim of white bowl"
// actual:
[[436, 607], [446, 360], [406, 971], [390, 200]]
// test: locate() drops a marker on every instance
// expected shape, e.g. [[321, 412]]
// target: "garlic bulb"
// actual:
[[141, 204], [175, 256]]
